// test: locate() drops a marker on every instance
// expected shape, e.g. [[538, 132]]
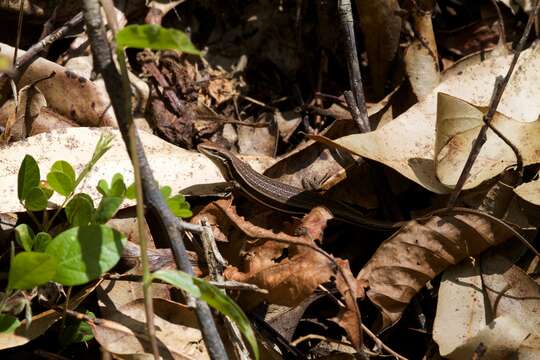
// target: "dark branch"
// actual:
[[104, 64]]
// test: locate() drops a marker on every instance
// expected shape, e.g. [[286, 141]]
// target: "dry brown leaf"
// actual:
[[41, 322], [418, 252], [407, 143], [289, 279], [69, 94], [124, 331], [381, 27], [348, 316]]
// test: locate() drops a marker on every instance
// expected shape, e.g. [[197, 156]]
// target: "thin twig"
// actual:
[[19, 31], [498, 90], [35, 50], [353, 65], [502, 30], [104, 64]]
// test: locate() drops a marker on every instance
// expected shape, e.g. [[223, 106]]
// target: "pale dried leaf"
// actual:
[[422, 69], [407, 143], [458, 125], [530, 191], [171, 165], [501, 338], [469, 296], [124, 331], [460, 307]]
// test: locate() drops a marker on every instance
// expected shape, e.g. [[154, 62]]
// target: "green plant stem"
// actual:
[[147, 277], [34, 219]]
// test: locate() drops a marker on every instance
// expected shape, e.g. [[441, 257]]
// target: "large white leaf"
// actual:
[[173, 166], [407, 143]]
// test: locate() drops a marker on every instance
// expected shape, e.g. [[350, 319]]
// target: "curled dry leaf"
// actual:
[[472, 295], [69, 94], [407, 143], [418, 252], [458, 125], [348, 317], [422, 69], [124, 331], [289, 279]]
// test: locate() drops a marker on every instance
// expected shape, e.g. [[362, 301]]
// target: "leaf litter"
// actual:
[[240, 97]]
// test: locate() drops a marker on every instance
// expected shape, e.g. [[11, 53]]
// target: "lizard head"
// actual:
[[219, 156]]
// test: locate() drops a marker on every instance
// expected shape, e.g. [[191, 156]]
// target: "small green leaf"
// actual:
[[8, 323], [154, 37], [41, 241], [131, 192], [179, 206], [36, 200], [118, 187], [84, 253], [166, 191], [103, 187], [108, 206], [60, 182], [31, 269], [28, 177], [77, 331], [24, 236], [214, 297], [80, 210], [64, 167]]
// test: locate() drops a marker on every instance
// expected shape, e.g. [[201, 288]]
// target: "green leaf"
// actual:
[[103, 145], [8, 323], [214, 297], [154, 37], [47, 190], [103, 187], [131, 192], [84, 253], [41, 241], [80, 210], [118, 187], [77, 331], [60, 182], [28, 177], [166, 191], [108, 206], [64, 167], [31, 269], [24, 236], [36, 200], [179, 206]]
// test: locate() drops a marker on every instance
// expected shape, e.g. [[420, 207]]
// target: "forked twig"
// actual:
[[498, 90]]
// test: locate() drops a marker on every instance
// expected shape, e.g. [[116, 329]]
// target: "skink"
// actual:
[[280, 196]]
